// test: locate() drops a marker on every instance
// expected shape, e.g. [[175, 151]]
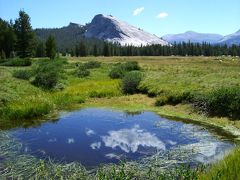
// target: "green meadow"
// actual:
[[184, 88]]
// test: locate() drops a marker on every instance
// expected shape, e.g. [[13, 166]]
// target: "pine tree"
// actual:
[[77, 50], [82, 49], [40, 50], [51, 47], [24, 34], [7, 38], [2, 55], [72, 53], [106, 49], [95, 51]]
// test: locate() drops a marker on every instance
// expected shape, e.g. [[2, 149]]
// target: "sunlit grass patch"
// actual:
[[27, 108], [88, 87], [226, 169]]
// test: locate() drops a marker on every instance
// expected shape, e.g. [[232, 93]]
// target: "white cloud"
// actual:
[[70, 140], [162, 15], [129, 140], [138, 11], [89, 132], [112, 156], [171, 142], [95, 145]]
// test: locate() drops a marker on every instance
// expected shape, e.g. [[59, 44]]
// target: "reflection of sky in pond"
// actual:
[[129, 140], [94, 136]]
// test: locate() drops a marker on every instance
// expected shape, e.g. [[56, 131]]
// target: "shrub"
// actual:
[[92, 64], [176, 98], [51, 47], [220, 102], [130, 66], [225, 102], [22, 74], [117, 72], [16, 62], [120, 70], [161, 101], [48, 73], [131, 81], [82, 71], [173, 98]]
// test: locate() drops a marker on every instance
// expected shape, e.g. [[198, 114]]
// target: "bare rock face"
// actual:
[[111, 29]]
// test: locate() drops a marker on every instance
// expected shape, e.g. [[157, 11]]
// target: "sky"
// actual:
[[158, 17]]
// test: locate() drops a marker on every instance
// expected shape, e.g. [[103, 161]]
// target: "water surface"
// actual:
[[95, 136]]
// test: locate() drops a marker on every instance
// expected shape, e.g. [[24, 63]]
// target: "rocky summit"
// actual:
[[111, 29]]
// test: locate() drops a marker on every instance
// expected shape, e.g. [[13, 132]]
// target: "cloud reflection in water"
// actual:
[[129, 140], [95, 145]]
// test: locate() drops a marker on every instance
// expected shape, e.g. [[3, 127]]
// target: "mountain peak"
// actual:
[[109, 28], [102, 15], [191, 32]]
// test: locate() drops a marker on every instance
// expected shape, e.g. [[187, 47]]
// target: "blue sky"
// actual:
[[159, 17]]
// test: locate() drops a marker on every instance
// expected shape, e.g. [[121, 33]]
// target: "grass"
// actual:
[[225, 169], [16, 62], [21, 102]]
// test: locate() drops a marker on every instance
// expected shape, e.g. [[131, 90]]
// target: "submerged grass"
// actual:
[[19, 165]]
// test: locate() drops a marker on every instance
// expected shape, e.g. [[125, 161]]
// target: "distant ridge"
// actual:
[[66, 36], [193, 37], [231, 39]]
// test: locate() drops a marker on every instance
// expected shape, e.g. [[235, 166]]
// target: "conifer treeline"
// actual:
[[181, 49]]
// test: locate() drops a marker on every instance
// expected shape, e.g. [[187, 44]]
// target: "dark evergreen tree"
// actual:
[[51, 47], [2, 55], [40, 49], [95, 51], [7, 39], [77, 50], [24, 34], [101, 48], [72, 53], [106, 49], [82, 49]]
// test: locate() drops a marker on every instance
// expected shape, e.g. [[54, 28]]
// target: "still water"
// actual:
[[95, 136]]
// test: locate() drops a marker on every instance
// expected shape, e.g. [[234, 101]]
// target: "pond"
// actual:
[[94, 136]]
